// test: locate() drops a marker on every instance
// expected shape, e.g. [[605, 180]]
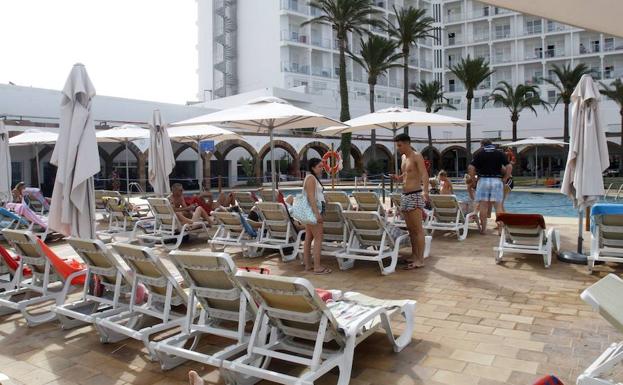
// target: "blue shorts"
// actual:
[[490, 190]]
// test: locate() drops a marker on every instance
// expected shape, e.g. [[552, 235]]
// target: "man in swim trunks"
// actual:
[[186, 214], [490, 164], [414, 197]]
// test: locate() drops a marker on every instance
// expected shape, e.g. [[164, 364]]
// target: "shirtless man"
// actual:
[[187, 215], [414, 197]]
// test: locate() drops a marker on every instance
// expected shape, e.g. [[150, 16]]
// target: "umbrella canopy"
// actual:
[[588, 147], [76, 156], [35, 137], [393, 119], [535, 141], [196, 134], [264, 115], [5, 163], [160, 157]]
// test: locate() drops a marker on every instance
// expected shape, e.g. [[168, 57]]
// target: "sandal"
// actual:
[[325, 270], [411, 265]]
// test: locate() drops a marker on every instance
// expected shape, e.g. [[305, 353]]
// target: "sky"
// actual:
[[140, 49]]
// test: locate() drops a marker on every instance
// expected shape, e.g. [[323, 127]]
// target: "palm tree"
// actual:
[[345, 16], [616, 93], [566, 80], [431, 94], [516, 100], [471, 72], [411, 24], [378, 55]]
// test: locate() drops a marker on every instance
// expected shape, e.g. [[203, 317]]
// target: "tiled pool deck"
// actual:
[[478, 323]]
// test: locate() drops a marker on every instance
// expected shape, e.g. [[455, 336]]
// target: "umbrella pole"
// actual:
[[536, 165], [127, 170], [200, 171], [272, 164], [394, 130], [37, 168], [576, 257]]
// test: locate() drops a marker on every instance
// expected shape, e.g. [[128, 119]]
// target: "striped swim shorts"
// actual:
[[490, 190], [412, 200]]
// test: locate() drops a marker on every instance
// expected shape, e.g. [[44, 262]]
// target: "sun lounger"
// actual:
[[36, 200], [167, 228], [230, 231], [10, 220], [606, 234], [104, 269], [369, 201], [447, 215], [335, 230], [101, 197], [277, 232], [4, 380], [371, 239], [605, 297], [246, 201], [526, 234], [123, 217], [37, 224], [9, 264], [304, 328], [52, 278], [339, 197], [267, 195], [226, 309], [397, 219], [167, 300]]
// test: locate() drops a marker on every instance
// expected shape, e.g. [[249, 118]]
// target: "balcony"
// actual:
[[504, 34], [320, 42], [294, 6], [478, 13], [294, 36], [588, 48], [455, 87], [553, 26], [532, 30], [480, 36], [457, 40], [533, 80], [501, 59], [454, 17], [612, 74], [534, 55], [380, 4], [426, 64], [324, 72], [556, 52], [295, 68]]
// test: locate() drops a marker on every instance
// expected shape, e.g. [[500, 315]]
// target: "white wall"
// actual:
[[204, 49]]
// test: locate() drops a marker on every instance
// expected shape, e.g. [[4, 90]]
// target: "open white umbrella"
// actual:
[[588, 153], [198, 133], [264, 115], [72, 211], [34, 137], [393, 119], [535, 141], [123, 134], [5, 163], [161, 158]]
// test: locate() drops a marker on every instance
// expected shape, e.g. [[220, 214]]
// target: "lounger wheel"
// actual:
[[590, 265]]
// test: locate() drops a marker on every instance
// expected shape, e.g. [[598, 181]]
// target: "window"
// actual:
[[533, 26], [502, 31], [451, 85], [609, 44], [16, 173], [551, 96]]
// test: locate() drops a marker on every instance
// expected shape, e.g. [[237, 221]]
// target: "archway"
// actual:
[[185, 170], [118, 157], [550, 161], [432, 155], [454, 160], [235, 162], [311, 150], [286, 161], [383, 162]]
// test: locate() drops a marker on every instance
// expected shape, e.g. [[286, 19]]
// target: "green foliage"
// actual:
[[378, 54], [566, 80], [375, 167], [471, 72], [431, 94], [248, 167]]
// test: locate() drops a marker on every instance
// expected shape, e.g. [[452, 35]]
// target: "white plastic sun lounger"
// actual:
[[605, 296], [114, 279], [165, 294], [371, 240], [245, 201], [297, 315], [606, 238], [226, 309], [447, 215], [369, 201], [339, 197], [229, 232], [335, 230], [277, 232]]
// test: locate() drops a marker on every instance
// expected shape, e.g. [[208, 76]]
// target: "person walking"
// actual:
[[490, 165], [414, 177], [314, 192]]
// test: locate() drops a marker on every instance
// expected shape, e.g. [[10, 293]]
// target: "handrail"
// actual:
[[618, 192], [608, 190]]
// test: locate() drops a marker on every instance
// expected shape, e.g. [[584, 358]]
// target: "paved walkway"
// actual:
[[477, 324]]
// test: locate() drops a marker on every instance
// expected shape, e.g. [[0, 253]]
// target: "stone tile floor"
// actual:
[[478, 323]]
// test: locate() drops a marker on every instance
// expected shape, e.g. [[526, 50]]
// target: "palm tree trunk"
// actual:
[[373, 132], [565, 133], [344, 108], [621, 146], [514, 120], [430, 137], [468, 131], [405, 80]]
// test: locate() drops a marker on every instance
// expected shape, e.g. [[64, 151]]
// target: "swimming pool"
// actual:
[[546, 204]]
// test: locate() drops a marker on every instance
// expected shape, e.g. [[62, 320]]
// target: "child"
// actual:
[[432, 186], [445, 183]]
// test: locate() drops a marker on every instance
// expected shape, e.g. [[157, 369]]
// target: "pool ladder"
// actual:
[[618, 193]]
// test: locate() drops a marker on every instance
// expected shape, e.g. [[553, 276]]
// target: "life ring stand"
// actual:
[[326, 163]]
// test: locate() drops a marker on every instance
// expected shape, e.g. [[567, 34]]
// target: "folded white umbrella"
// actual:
[[123, 134], [34, 137], [76, 156], [5, 163], [264, 115], [535, 141], [160, 157], [392, 119], [198, 133]]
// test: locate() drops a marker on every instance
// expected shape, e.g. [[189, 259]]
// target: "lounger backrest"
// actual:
[[368, 201], [229, 220], [267, 196], [100, 195], [10, 220], [339, 197], [610, 230], [291, 305], [165, 217], [368, 227], [117, 207], [333, 222], [150, 271], [212, 278], [100, 260], [522, 229], [275, 219], [446, 207], [245, 201], [26, 246]]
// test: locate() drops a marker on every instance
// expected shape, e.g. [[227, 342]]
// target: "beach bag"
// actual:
[[302, 211]]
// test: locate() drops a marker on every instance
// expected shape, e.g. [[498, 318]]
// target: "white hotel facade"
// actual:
[[250, 47]]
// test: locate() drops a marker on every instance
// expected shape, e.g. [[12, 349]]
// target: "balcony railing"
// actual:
[[324, 72], [586, 49], [556, 52], [294, 36], [478, 13], [533, 80], [612, 74], [320, 42], [553, 26], [294, 6], [455, 40], [502, 34], [480, 36], [532, 30], [455, 88], [296, 68], [534, 55], [454, 17], [498, 59]]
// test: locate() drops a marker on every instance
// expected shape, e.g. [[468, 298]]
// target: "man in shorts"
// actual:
[[490, 165], [414, 197]]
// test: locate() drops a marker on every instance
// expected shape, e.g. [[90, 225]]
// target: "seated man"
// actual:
[[186, 214]]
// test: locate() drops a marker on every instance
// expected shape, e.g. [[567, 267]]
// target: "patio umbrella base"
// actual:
[[574, 257]]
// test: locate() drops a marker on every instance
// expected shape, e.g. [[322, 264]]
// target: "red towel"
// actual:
[[13, 262], [527, 220], [64, 268], [196, 200], [325, 295], [549, 380]]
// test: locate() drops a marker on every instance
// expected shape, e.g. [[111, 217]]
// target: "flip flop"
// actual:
[[325, 270], [412, 266]]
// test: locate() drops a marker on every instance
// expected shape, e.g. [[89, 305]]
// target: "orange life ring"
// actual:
[[326, 163]]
